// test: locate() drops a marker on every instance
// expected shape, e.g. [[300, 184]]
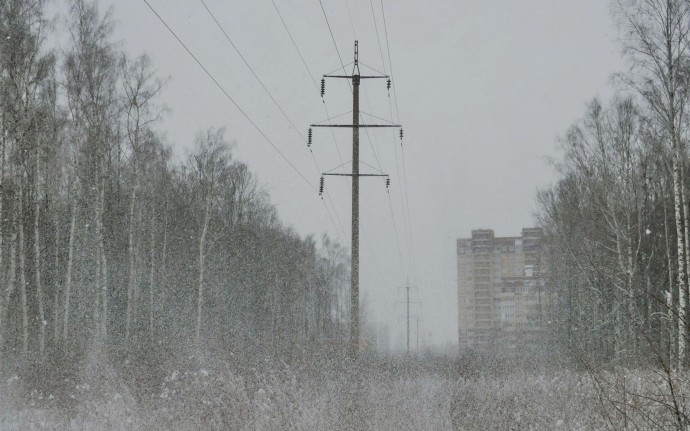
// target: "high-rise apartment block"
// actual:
[[500, 286]]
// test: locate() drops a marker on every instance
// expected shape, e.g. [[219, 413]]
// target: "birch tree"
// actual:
[[140, 88], [600, 220], [210, 166], [24, 67], [91, 79], [656, 43]]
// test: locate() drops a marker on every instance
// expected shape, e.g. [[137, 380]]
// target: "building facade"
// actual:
[[500, 286]]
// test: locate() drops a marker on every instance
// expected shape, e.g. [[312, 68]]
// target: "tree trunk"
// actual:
[[37, 257], [164, 252], [686, 230], [22, 272], [632, 302], [103, 264], [202, 246], [677, 201], [132, 261], [3, 281], [152, 273], [56, 279], [669, 293], [96, 318], [12, 276], [68, 276], [163, 277]]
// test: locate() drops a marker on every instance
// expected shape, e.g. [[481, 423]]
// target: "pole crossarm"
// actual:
[[356, 125], [359, 175], [358, 76]]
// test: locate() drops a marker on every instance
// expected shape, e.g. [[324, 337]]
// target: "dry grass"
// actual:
[[375, 395]]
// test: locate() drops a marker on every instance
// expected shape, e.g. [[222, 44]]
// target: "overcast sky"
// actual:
[[484, 89]]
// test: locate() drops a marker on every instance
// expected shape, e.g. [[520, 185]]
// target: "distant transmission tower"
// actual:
[[408, 303], [356, 77]]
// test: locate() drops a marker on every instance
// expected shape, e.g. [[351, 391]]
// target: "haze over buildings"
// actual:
[[500, 286]]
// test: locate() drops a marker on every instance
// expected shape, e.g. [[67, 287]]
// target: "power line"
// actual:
[[227, 95], [397, 166], [390, 63], [407, 202], [294, 43], [311, 75], [333, 38], [407, 302], [328, 196], [251, 69], [355, 175], [275, 102], [351, 90], [352, 23], [397, 113], [378, 38], [330, 30], [395, 229]]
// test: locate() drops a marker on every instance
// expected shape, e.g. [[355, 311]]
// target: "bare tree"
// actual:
[[140, 88], [91, 74], [25, 66], [656, 43], [210, 166]]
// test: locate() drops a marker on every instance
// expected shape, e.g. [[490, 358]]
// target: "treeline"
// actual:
[[104, 240], [617, 219]]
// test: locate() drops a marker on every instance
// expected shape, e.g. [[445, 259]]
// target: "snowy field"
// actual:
[[379, 394]]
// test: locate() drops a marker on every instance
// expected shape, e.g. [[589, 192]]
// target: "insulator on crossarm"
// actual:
[[388, 85], [388, 183], [321, 186], [309, 138], [323, 86], [401, 135]]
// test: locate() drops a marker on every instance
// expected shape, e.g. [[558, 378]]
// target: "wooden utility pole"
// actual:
[[354, 273], [408, 317], [356, 78], [417, 327], [408, 303]]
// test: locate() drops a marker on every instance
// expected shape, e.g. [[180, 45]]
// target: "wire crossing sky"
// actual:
[[486, 88]]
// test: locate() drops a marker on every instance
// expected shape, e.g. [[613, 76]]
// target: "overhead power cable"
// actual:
[[378, 38], [397, 113], [333, 39], [352, 23], [251, 69], [275, 102], [390, 63], [330, 30], [342, 65], [295, 44], [227, 95], [311, 75], [395, 230]]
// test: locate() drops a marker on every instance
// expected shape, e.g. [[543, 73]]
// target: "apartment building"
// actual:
[[500, 288]]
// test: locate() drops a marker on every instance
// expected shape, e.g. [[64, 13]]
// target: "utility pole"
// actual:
[[417, 327], [356, 77], [408, 303]]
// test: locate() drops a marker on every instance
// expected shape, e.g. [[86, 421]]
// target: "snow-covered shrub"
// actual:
[[210, 399]]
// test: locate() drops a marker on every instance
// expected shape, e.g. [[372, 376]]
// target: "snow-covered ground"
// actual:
[[383, 395]]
